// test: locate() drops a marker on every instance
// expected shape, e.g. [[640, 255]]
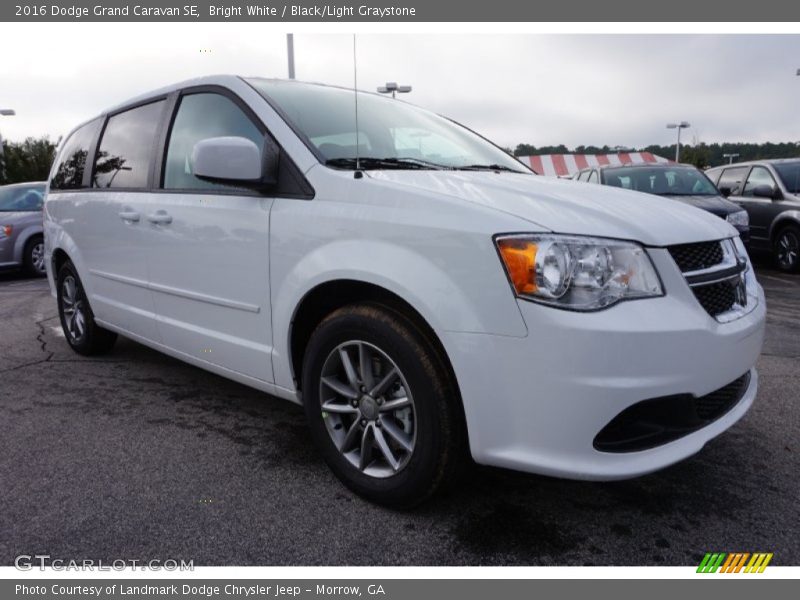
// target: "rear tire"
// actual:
[[33, 257], [786, 249], [77, 319], [396, 444]]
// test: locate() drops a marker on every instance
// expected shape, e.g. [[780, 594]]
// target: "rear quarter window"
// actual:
[[72, 158]]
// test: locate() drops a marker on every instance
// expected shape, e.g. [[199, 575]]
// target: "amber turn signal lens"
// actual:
[[519, 257]]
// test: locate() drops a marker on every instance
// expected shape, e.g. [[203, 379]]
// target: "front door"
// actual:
[[761, 210], [209, 260]]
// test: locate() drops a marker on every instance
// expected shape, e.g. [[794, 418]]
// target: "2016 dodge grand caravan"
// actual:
[[419, 291]]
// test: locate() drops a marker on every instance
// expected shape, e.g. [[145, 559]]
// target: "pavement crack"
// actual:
[[41, 338]]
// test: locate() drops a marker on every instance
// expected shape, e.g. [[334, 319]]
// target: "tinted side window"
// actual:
[[593, 177], [72, 159], [126, 148], [201, 116], [732, 179], [758, 176]]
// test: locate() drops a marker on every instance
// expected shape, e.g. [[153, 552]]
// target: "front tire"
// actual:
[[787, 249], [33, 257], [382, 407], [77, 319]]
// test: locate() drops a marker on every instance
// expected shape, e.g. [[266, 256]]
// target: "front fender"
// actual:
[[446, 303]]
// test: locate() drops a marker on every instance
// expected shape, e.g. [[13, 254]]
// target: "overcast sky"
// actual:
[[538, 89]]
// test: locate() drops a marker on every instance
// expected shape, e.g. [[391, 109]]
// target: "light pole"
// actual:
[[290, 53], [678, 126], [5, 112], [392, 87], [730, 157]]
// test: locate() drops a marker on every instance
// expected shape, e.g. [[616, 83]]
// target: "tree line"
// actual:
[[30, 160], [700, 155], [26, 161]]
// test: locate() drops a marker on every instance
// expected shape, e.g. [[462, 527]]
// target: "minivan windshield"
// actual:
[[21, 198], [663, 181], [789, 173], [392, 134]]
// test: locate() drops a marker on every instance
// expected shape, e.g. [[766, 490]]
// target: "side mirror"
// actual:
[[725, 190], [236, 161], [767, 191]]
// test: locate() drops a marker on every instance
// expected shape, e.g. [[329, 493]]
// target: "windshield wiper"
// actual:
[[369, 162], [487, 168]]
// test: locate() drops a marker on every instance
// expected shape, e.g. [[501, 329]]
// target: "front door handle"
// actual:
[[160, 217], [129, 216]]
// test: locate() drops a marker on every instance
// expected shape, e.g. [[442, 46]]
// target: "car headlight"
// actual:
[[575, 272], [739, 218]]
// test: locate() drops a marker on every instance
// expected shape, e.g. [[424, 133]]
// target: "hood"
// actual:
[[717, 205], [566, 206]]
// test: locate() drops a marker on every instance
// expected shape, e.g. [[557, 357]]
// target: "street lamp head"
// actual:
[[684, 125], [7, 112], [681, 125], [392, 88], [671, 125]]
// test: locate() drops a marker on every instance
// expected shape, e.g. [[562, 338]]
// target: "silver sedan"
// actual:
[[21, 238]]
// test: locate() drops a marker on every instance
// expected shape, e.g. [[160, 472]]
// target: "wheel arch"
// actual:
[[331, 295], [787, 217], [24, 238], [59, 257]]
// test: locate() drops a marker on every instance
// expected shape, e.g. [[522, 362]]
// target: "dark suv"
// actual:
[[769, 190], [679, 182]]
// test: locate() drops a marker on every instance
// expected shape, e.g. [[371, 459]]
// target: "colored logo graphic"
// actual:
[[735, 562]]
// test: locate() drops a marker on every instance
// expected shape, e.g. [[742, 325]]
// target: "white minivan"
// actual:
[[420, 292]]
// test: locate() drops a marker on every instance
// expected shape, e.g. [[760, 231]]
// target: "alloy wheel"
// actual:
[[368, 408], [788, 249], [73, 308], [37, 257]]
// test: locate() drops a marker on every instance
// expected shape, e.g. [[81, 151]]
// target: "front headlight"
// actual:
[[577, 273], [739, 218]]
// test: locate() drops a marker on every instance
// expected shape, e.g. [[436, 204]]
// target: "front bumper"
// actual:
[[536, 403]]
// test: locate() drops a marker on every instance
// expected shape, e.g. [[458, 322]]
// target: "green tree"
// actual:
[[26, 161]]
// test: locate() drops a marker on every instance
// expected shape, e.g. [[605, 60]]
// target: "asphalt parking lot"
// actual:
[[138, 456]]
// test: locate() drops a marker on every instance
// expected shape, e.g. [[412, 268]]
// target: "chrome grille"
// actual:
[[715, 271], [717, 298], [695, 257]]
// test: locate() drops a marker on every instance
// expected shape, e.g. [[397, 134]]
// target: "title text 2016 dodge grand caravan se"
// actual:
[[419, 291]]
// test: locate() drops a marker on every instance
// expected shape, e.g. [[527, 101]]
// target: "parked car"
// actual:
[[21, 239], [769, 191], [419, 291], [684, 183]]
